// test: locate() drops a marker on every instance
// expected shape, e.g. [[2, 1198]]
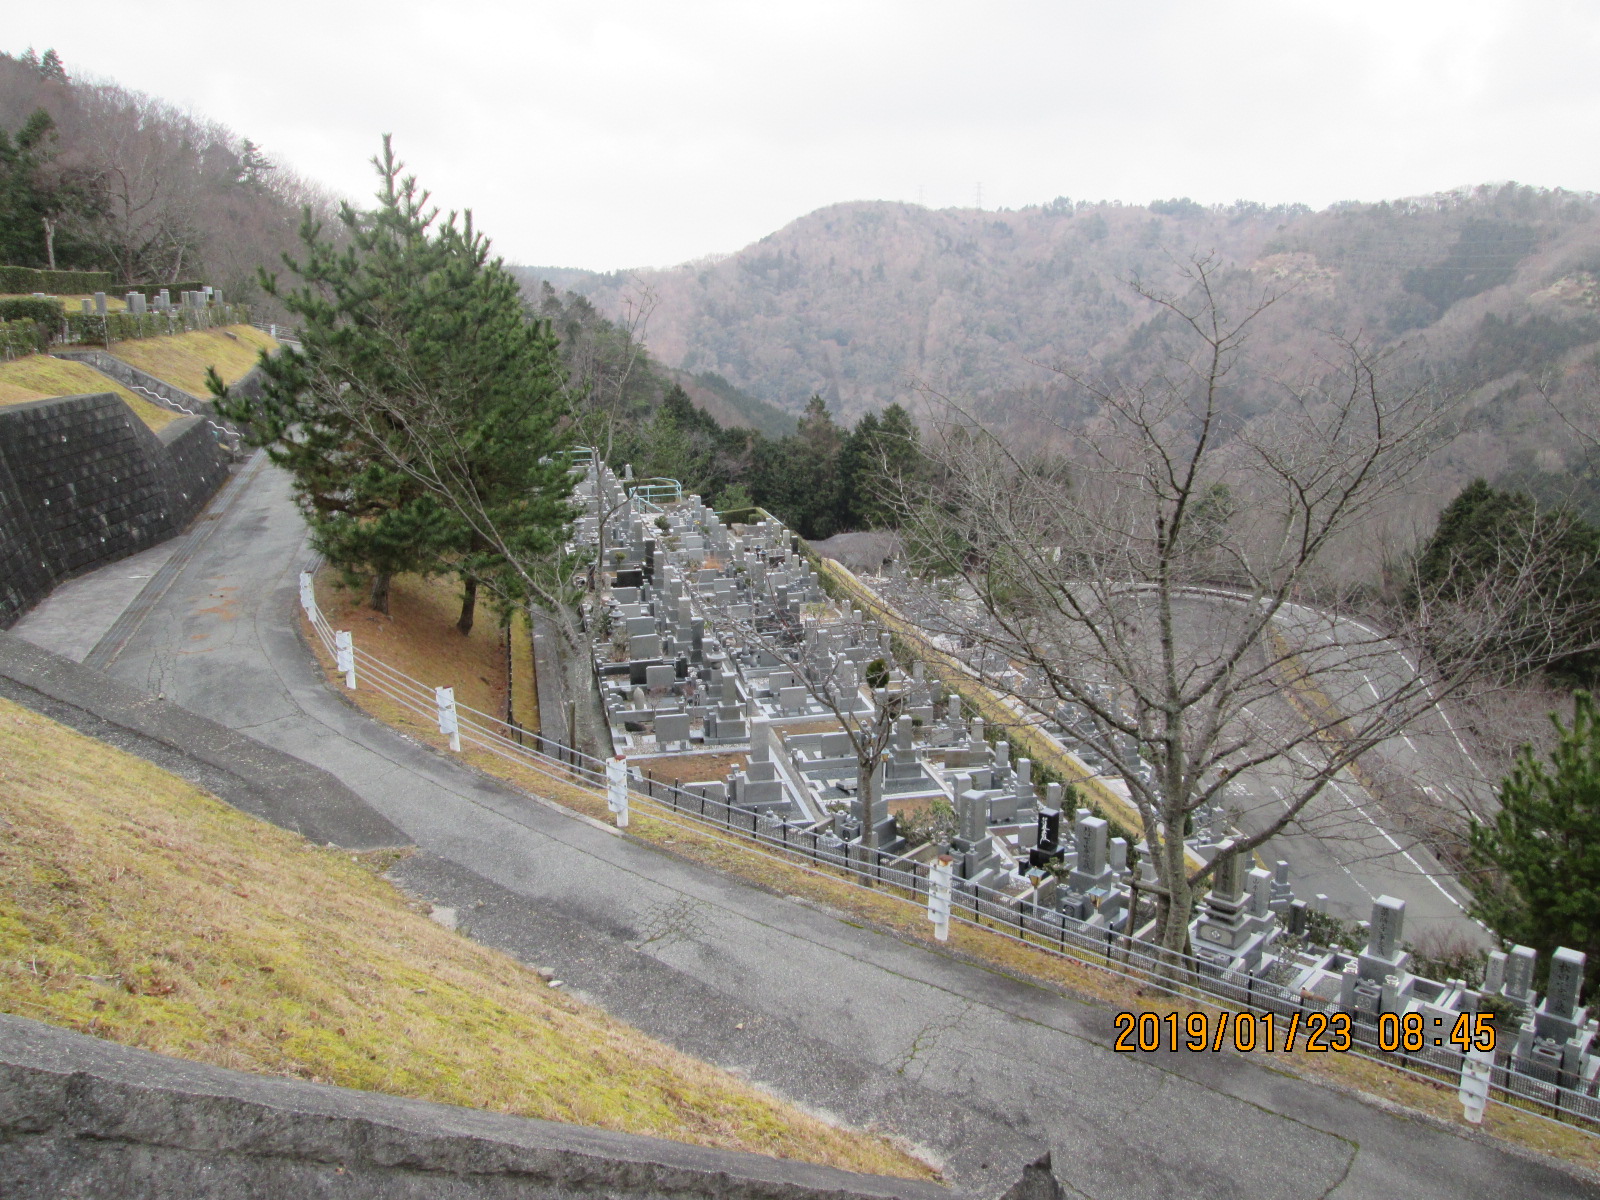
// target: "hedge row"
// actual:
[[24, 280], [19, 338], [31, 308]]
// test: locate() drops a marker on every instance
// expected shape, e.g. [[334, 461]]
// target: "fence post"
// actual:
[[939, 896], [308, 595], [617, 788], [344, 653], [444, 699], [1476, 1065]]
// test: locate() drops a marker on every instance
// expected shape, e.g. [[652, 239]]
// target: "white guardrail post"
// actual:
[[344, 653], [308, 595], [444, 700], [617, 788], [939, 896], [1476, 1066]]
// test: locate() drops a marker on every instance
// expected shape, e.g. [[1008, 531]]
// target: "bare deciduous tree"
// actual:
[[1170, 583]]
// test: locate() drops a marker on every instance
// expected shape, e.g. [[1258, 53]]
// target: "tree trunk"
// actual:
[[469, 603], [49, 243], [1176, 910], [866, 788], [378, 596]]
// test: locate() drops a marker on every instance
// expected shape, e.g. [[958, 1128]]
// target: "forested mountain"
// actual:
[[1494, 292], [817, 475], [96, 177]]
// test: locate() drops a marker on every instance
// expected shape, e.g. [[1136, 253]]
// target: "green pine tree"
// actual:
[[52, 68], [1500, 544], [1540, 858], [881, 454], [254, 167], [421, 413], [24, 202]]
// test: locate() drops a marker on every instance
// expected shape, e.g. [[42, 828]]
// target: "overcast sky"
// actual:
[[634, 133]]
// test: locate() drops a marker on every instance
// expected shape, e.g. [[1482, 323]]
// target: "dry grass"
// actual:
[[182, 359], [524, 682], [694, 768], [39, 377], [419, 636], [140, 909], [894, 912]]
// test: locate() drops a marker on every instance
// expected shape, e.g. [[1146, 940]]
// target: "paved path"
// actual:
[[974, 1065]]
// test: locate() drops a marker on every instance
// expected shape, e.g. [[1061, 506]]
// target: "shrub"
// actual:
[[28, 279], [95, 330], [31, 308], [18, 338], [934, 822]]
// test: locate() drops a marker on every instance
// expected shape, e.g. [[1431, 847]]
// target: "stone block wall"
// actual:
[[195, 465], [23, 576], [84, 482]]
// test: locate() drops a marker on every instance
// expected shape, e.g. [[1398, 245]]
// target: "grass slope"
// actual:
[[39, 377], [182, 359], [138, 908]]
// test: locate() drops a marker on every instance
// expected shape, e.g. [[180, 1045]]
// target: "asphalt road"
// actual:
[[1345, 844], [978, 1067]]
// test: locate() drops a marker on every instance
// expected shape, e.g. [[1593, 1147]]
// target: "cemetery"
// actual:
[[716, 642]]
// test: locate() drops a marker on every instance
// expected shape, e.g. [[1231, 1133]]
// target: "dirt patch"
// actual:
[[695, 768]]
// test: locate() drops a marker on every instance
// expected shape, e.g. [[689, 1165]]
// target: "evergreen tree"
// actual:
[[806, 476], [24, 204], [1540, 857], [857, 472], [880, 455], [1491, 539], [51, 67], [254, 167], [421, 414]]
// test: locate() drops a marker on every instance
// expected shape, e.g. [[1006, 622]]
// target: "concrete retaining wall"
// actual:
[[85, 482], [86, 1118], [130, 376]]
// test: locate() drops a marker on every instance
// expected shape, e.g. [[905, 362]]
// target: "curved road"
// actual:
[[979, 1068]]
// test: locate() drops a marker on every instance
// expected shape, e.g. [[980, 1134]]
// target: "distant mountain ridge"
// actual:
[[1494, 289]]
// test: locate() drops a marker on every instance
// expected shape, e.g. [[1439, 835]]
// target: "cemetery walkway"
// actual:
[[980, 1068]]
